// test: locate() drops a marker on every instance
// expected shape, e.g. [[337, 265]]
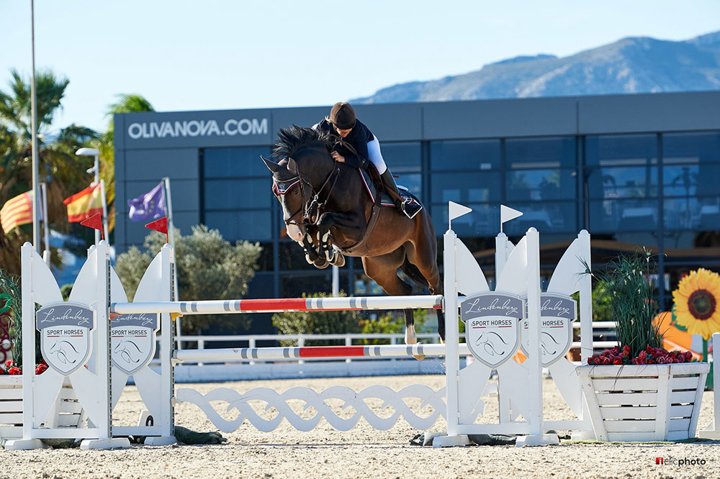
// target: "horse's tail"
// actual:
[[412, 272]]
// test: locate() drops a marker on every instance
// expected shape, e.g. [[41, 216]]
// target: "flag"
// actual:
[[84, 204], [149, 206], [16, 211], [94, 222], [160, 225], [507, 214], [457, 210]]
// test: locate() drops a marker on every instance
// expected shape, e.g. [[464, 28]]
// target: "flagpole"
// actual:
[[36, 169], [171, 240], [104, 207], [46, 228]]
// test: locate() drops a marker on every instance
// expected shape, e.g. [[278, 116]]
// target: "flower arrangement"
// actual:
[[628, 283], [11, 368]]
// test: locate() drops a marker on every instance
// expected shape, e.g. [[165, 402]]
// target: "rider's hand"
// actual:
[[338, 157]]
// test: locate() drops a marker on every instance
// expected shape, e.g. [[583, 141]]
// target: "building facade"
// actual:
[[634, 170]]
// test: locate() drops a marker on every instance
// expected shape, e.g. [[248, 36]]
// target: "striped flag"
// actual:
[[16, 212], [84, 204]]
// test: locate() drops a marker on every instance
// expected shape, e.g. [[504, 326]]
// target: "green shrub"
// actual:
[[208, 268]]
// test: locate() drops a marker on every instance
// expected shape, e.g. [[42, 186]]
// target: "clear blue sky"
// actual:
[[206, 55]]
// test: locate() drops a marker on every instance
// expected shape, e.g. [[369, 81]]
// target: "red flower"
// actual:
[[617, 361], [662, 360], [9, 363], [41, 368], [15, 371]]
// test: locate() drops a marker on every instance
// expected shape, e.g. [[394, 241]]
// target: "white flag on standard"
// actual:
[[457, 210], [507, 214]]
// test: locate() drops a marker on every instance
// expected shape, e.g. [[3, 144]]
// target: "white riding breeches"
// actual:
[[376, 156]]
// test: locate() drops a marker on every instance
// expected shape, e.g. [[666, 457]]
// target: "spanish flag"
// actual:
[[16, 212], [85, 204]]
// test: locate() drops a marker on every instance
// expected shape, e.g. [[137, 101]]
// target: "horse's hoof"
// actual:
[[321, 263], [339, 261]]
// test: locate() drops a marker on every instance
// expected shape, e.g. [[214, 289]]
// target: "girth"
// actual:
[[360, 248]]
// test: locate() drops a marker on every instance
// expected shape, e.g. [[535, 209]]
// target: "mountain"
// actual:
[[630, 65]]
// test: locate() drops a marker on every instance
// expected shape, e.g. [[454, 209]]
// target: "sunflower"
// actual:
[[697, 303]]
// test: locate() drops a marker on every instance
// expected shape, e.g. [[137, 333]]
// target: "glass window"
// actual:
[[540, 184], [235, 162], [238, 194], [411, 181], [691, 148], [465, 155], [465, 187], [623, 215], [541, 153], [691, 179], [241, 225], [402, 156], [621, 150], [701, 214], [622, 182], [295, 285], [546, 217]]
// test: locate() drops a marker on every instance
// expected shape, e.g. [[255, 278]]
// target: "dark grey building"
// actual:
[[634, 170]]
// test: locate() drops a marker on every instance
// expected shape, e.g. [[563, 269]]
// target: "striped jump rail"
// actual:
[[280, 305], [309, 352]]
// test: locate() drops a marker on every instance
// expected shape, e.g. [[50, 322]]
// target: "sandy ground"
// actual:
[[361, 452]]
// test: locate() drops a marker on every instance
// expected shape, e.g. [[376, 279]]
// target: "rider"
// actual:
[[342, 122]]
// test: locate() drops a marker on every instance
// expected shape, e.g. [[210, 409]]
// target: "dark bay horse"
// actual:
[[328, 210]]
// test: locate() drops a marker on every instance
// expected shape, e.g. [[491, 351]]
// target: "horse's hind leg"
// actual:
[[383, 269]]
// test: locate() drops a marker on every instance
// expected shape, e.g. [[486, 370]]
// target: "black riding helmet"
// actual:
[[342, 115]]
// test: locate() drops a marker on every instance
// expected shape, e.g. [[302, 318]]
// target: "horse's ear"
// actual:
[[272, 166], [292, 166]]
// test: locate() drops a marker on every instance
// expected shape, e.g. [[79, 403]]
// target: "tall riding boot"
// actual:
[[407, 206]]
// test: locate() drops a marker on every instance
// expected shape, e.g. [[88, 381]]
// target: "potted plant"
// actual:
[[638, 391]]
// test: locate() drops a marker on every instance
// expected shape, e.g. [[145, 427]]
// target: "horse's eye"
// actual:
[[296, 192]]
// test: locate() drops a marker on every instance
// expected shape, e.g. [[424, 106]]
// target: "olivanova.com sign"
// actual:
[[197, 128]]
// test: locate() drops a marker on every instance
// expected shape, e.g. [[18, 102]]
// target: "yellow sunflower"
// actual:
[[697, 303]]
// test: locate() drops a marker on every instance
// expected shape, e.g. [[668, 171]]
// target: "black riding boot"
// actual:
[[408, 207]]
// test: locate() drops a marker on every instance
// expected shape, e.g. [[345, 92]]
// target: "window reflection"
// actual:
[[234, 162], [625, 215], [541, 153], [541, 184], [465, 155], [467, 187]]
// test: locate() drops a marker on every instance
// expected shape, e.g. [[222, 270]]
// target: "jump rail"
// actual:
[[280, 305], [340, 352]]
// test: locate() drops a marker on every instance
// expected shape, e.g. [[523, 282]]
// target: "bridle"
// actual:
[[310, 210]]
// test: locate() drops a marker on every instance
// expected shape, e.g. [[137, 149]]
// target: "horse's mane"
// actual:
[[292, 139]]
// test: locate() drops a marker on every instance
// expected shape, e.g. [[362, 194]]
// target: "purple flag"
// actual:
[[149, 206]]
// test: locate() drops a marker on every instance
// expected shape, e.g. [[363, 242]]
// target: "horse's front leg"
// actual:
[[351, 229]]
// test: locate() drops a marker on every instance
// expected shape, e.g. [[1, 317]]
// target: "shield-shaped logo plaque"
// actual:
[[557, 312], [133, 341], [65, 335], [492, 326]]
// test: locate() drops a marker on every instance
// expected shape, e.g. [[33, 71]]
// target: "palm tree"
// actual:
[[127, 103], [58, 166]]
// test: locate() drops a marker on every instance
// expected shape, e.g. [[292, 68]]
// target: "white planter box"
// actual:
[[68, 412], [655, 402]]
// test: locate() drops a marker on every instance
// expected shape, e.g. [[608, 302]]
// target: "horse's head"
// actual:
[[293, 194], [292, 187]]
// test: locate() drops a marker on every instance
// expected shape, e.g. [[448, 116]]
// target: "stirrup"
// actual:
[[410, 209]]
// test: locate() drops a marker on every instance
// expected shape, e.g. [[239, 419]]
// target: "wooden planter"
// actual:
[[656, 402], [67, 412]]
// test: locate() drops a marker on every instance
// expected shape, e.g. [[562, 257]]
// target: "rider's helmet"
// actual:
[[342, 115]]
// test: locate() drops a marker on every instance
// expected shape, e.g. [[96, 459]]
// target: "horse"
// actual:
[[329, 209]]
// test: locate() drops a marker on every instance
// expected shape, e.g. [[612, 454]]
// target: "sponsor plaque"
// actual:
[[557, 312], [492, 326], [133, 341], [65, 335]]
